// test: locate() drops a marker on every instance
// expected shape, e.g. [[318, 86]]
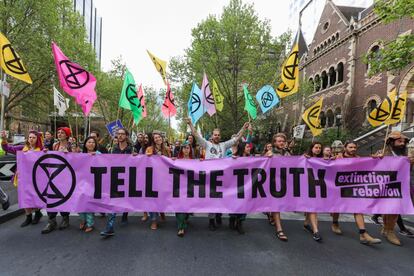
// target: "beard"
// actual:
[[400, 150]]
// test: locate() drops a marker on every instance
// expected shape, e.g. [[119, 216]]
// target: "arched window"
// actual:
[[372, 104], [322, 117], [333, 38], [331, 118], [329, 41], [340, 72], [317, 83], [332, 76], [373, 54], [312, 83], [338, 116], [337, 36], [324, 77]]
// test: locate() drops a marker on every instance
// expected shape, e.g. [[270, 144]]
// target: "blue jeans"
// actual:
[[111, 221], [154, 216]]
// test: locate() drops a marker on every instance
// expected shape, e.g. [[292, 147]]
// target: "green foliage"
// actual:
[[233, 48], [399, 53]]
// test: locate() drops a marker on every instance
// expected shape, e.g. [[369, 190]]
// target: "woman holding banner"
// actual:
[[315, 150], [186, 152], [33, 143], [279, 149], [157, 147]]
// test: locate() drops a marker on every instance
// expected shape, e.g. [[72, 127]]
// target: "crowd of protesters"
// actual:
[[196, 146]]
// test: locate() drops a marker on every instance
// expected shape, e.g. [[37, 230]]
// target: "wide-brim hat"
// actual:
[[395, 135]]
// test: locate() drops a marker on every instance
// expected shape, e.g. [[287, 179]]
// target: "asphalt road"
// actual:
[[136, 250]]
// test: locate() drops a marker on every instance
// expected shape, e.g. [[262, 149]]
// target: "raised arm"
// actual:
[[238, 136], [201, 141]]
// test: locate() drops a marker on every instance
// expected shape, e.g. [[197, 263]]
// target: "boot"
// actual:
[[37, 217], [232, 223], [27, 221], [65, 223], [50, 226], [367, 239], [239, 226], [212, 225]]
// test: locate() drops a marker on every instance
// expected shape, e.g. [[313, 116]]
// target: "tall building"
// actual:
[[93, 24]]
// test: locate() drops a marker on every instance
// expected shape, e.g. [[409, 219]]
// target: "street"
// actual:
[[136, 250]]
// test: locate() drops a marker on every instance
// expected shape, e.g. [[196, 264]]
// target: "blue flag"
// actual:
[[196, 108], [267, 98]]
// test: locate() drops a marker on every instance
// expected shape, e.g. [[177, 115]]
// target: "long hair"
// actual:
[[164, 150], [84, 149], [310, 153], [181, 154], [194, 143], [240, 148], [39, 140]]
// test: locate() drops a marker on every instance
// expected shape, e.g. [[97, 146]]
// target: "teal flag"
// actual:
[[267, 98], [249, 105], [129, 98], [196, 108]]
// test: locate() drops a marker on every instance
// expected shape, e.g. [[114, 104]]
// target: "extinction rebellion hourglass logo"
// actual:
[[54, 179], [369, 184]]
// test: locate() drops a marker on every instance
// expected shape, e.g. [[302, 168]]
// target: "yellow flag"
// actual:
[[160, 66], [10, 61], [311, 117], [381, 113], [398, 111], [290, 74], [218, 97]]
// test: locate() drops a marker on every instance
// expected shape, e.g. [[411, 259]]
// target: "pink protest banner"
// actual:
[[115, 183]]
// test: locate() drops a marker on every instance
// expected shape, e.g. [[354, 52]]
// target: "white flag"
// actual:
[[60, 102], [134, 137]]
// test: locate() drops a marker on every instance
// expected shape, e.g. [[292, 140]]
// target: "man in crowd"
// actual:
[[139, 143], [62, 145], [122, 147], [215, 149]]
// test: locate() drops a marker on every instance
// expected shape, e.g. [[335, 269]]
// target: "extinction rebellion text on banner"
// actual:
[[117, 183]]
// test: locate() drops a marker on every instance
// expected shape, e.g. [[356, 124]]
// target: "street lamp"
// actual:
[[338, 124]]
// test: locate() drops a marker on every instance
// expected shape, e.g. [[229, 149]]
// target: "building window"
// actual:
[[317, 83], [324, 77], [340, 72], [312, 83], [322, 117], [331, 117], [373, 54], [332, 76], [337, 36]]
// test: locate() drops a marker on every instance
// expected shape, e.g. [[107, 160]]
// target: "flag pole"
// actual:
[[3, 99]]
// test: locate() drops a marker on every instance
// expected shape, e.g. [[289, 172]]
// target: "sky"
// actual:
[[130, 27]]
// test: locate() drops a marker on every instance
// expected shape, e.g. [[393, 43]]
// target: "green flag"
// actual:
[[249, 105], [129, 97]]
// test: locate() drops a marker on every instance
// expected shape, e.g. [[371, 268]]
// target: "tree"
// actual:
[[234, 48], [399, 53], [31, 26]]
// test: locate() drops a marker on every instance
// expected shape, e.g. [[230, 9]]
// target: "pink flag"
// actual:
[[168, 107], [141, 99], [75, 80], [208, 100]]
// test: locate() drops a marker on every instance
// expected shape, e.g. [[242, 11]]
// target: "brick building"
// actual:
[[334, 63]]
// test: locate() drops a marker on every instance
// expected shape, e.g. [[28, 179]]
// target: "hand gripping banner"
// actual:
[[79, 182]]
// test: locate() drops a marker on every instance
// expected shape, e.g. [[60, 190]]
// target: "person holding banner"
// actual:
[[215, 149], [90, 146], [101, 148], [327, 153], [396, 145], [315, 150], [182, 218], [195, 149], [350, 149], [62, 145], [280, 148], [33, 143], [158, 147], [121, 147], [49, 140], [236, 220]]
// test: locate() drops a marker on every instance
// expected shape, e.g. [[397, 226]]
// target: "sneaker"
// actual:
[[367, 239], [65, 223], [316, 237], [50, 226], [38, 215], [212, 225], [307, 228], [335, 228], [375, 219], [406, 233], [107, 233]]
